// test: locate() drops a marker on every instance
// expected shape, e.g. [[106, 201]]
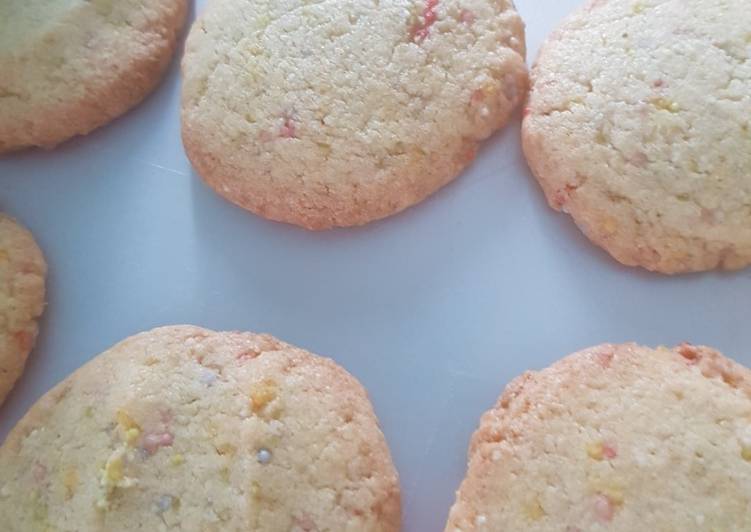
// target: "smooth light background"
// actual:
[[434, 310]]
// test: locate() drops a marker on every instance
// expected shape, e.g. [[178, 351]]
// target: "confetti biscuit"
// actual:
[[182, 428], [337, 113], [70, 66], [615, 438], [22, 273], [638, 126]]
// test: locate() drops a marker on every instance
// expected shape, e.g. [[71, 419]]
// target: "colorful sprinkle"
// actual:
[[534, 510], [601, 450], [288, 129], [263, 456], [262, 394], [421, 28], [164, 503], [604, 508], [689, 352], [666, 105], [152, 442], [467, 17], [132, 435], [207, 377], [177, 459], [70, 482]]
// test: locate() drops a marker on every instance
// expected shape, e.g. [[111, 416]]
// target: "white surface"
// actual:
[[434, 310]]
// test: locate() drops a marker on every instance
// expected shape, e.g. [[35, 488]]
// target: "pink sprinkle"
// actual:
[[39, 472], [421, 30], [689, 352], [658, 83], [563, 195], [306, 523], [604, 508], [605, 357], [467, 17], [288, 129], [609, 450], [152, 442], [527, 111], [478, 96]]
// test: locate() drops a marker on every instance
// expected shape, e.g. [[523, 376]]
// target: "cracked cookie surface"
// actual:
[[615, 438], [639, 125], [22, 276], [182, 428], [70, 66], [328, 113]]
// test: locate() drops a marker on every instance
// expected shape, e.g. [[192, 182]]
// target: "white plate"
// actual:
[[434, 310]]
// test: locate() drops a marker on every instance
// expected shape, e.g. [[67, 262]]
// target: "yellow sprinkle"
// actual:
[[746, 454], [595, 451], [177, 459], [114, 470], [70, 481], [131, 435], [226, 449], [534, 511], [666, 105], [638, 7], [614, 493], [262, 394], [125, 421]]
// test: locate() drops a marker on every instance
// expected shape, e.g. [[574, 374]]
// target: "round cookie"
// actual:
[[183, 428], [337, 113], [70, 66], [22, 274], [617, 438], [638, 125]]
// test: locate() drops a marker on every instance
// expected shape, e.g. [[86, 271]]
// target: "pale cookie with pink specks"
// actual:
[[182, 428], [70, 66], [22, 275], [639, 126], [337, 113], [615, 438]]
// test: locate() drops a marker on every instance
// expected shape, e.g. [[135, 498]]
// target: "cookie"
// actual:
[[638, 126], [69, 66], [183, 428], [618, 438], [22, 274], [337, 113]]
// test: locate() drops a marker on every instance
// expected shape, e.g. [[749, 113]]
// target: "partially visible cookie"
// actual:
[[639, 126], [615, 438], [337, 113], [183, 428], [22, 274], [69, 67]]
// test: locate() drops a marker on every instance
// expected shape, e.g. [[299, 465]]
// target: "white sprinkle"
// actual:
[[745, 437], [207, 377], [481, 520], [496, 455], [484, 111], [514, 41], [263, 456], [164, 503]]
